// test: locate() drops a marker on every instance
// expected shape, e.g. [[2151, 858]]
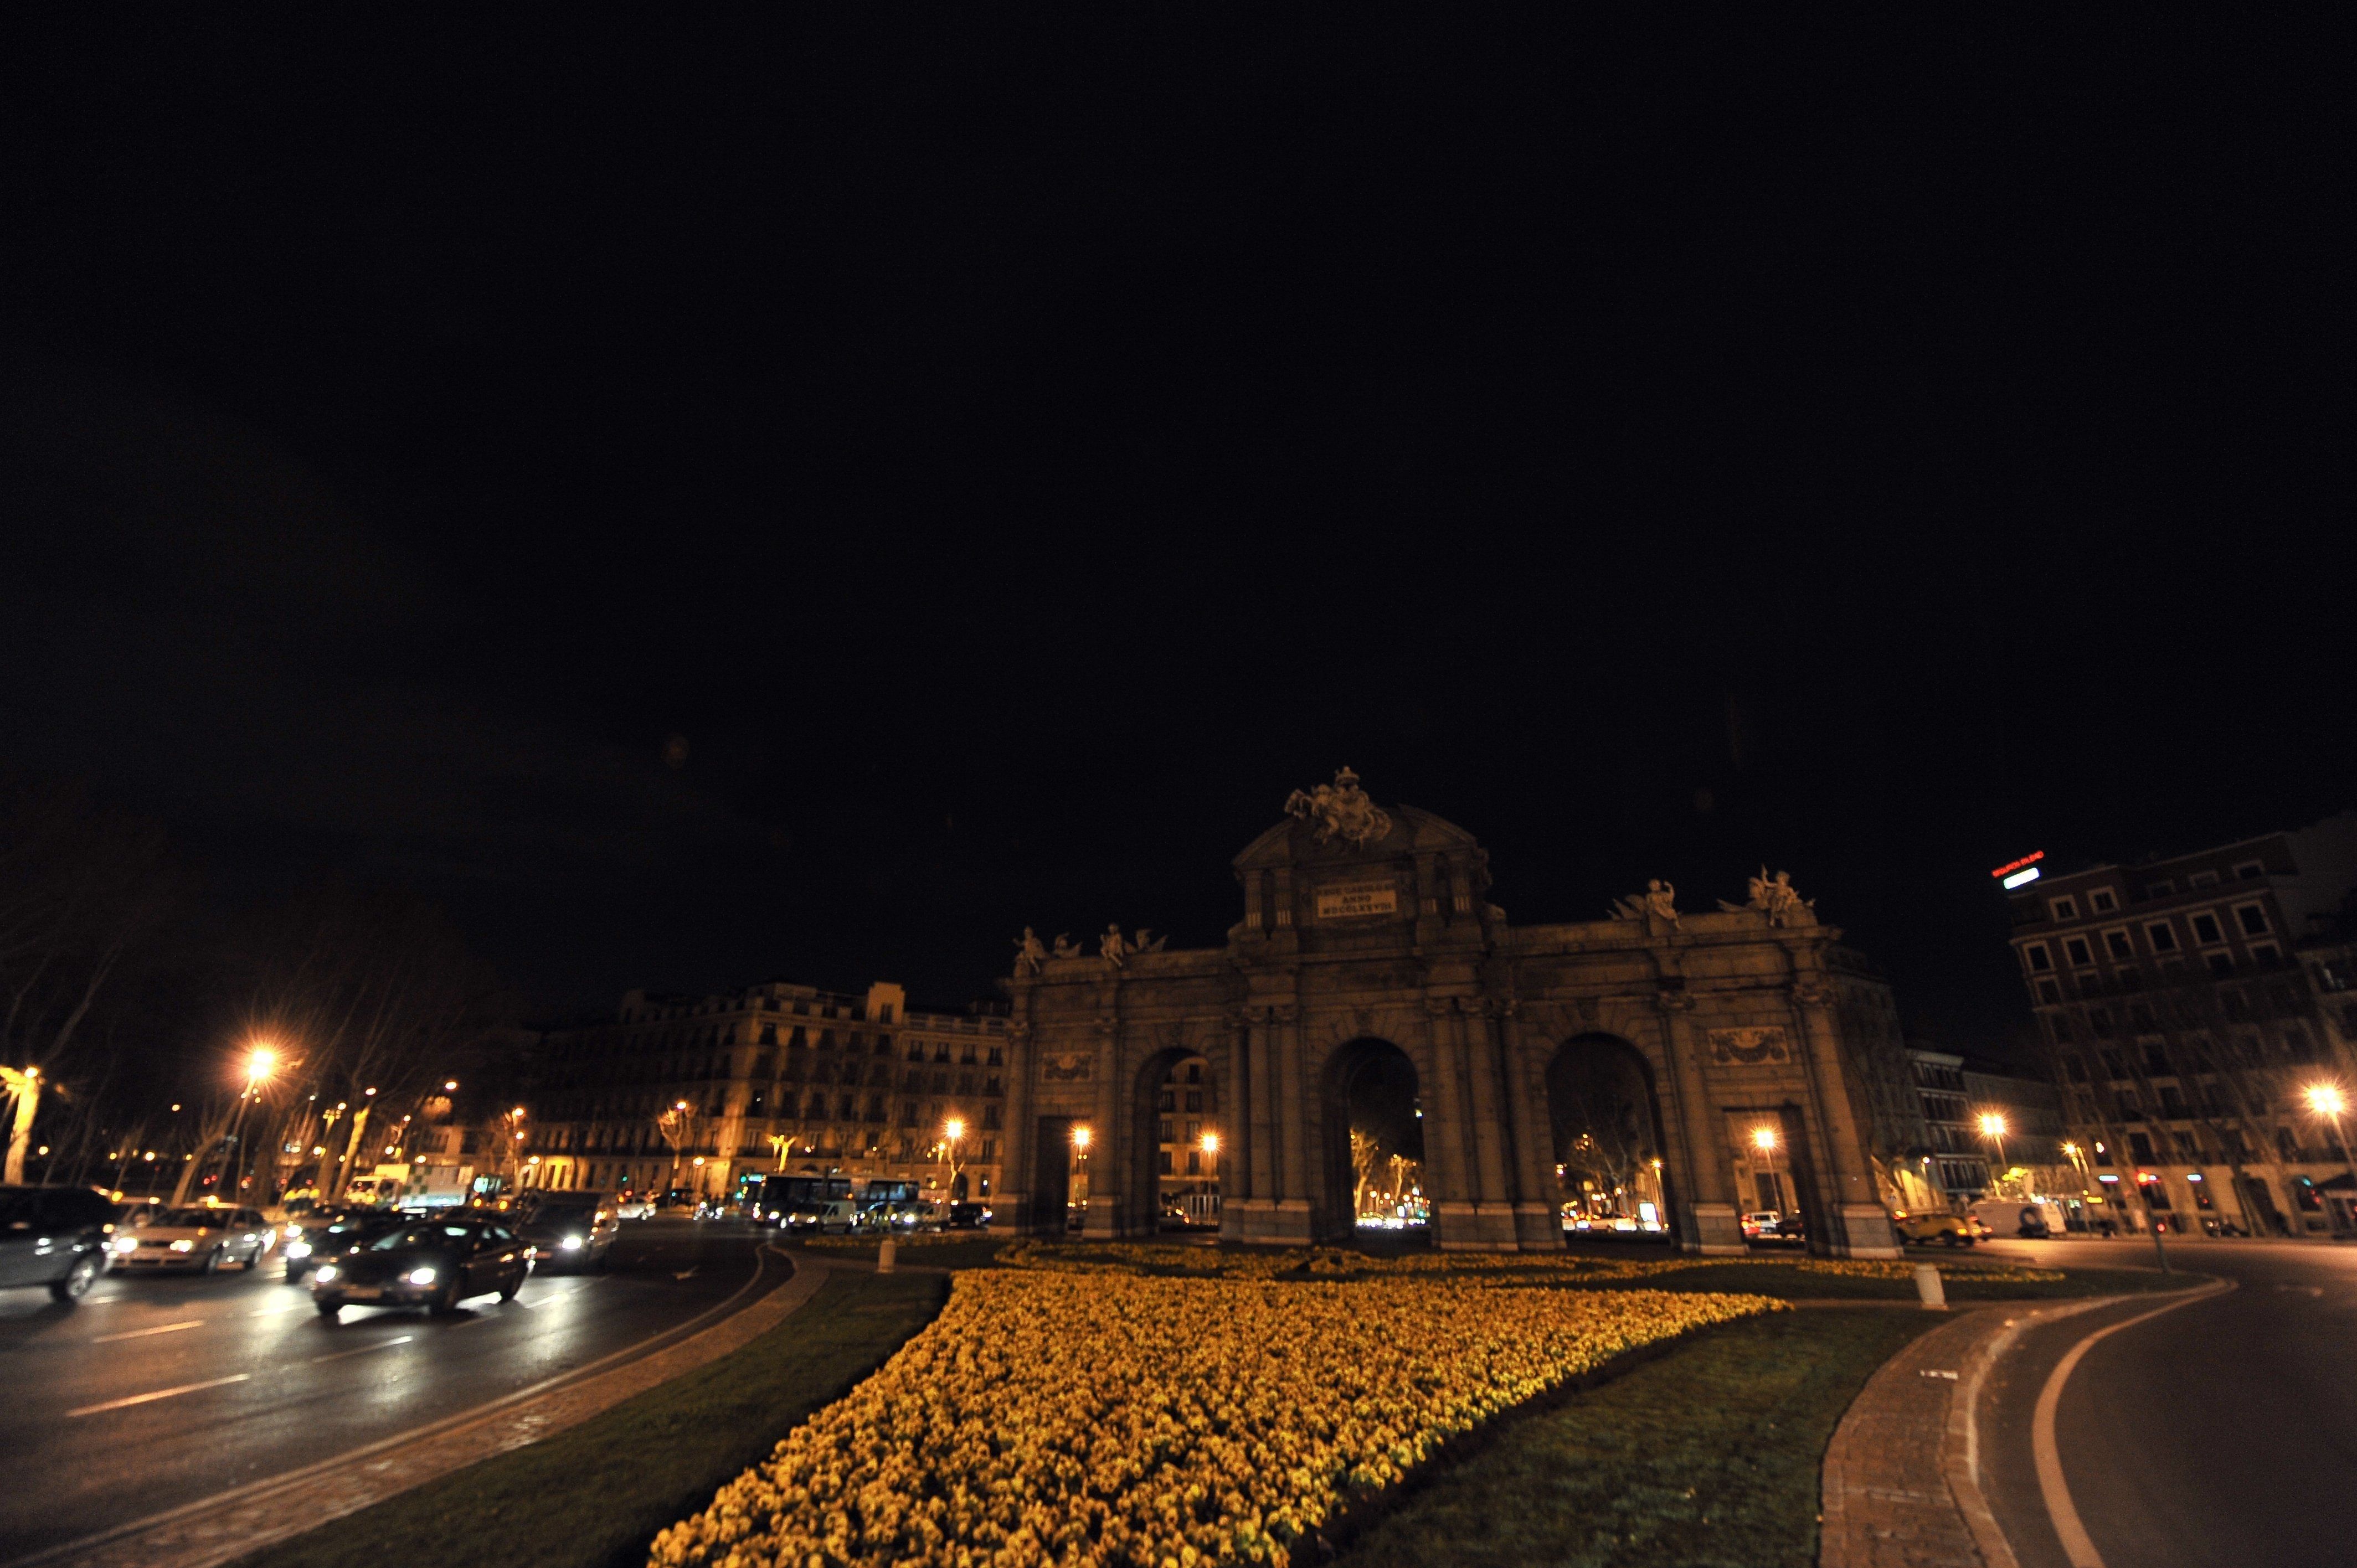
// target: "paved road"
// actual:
[[254, 1382], [2221, 1435]]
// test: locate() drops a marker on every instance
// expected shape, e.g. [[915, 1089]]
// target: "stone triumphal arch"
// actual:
[[1710, 1038]]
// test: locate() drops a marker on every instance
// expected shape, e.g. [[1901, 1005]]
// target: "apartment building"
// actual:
[[2196, 1010], [711, 1092]]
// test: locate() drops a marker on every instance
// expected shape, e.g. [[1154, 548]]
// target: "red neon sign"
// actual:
[[2009, 867]]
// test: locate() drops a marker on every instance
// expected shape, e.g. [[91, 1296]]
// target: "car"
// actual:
[[634, 1206], [573, 1229], [1761, 1223], [325, 1233], [969, 1216], [1934, 1229], [55, 1236], [200, 1236], [433, 1263]]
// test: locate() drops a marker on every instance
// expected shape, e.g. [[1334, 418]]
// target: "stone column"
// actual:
[[1295, 1145], [1712, 1224], [1111, 1135], [1022, 1138], [1236, 1142], [1493, 1204], [1864, 1224], [1538, 1221], [1448, 1180], [1259, 1110]]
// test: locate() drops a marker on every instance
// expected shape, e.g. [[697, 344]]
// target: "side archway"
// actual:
[[1606, 1118], [1174, 1109], [1373, 1142]]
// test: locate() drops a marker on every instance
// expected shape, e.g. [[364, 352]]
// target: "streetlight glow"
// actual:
[[1764, 1139], [1080, 1137], [260, 1064], [1211, 1142], [1991, 1124], [954, 1128], [2326, 1101]]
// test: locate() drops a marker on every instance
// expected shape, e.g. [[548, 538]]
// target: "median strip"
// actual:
[[159, 1394]]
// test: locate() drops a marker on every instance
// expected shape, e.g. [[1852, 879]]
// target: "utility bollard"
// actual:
[[884, 1255], [1927, 1286]]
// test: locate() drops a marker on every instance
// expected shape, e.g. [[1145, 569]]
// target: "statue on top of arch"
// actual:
[[1658, 904], [1341, 810], [1775, 900]]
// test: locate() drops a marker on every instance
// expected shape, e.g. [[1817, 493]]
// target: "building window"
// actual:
[[2063, 908], [2250, 871], [2221, 964], [1166, 1130], [2040, 961], [1166, 1161], [2102, 902], [2140, 1148], [2265, 955], [1194, 1162], [2049, 992], [997, 1058], [2205, 930], [2253, 918], [2162, 936], [2081, 955], [2159, 889], [2116, 944], [2202, 880]]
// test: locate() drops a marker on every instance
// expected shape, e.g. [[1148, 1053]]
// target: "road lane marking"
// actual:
[[142, 1333], [2077, 1545], [279, 1485], [160, 1394], [384, 1345]]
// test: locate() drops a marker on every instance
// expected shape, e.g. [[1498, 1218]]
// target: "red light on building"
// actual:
[[2010, 866]]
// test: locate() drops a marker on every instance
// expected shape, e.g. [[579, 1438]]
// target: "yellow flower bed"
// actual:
[[865, 1244], [1120, 1421], [1127, 1257]]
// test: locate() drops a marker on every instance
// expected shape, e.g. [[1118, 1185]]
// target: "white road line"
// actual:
[[2076, 1544], [160, 1394], [281, 1309], [384, 1345], [142, 1333]]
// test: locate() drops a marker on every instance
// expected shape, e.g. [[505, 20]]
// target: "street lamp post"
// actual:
[[2327, 1101], [1993, 1127], [258, 1066], [952, 1130]]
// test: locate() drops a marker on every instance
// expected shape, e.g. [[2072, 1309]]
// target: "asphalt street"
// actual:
[[2219, 1434], [159, 1390]]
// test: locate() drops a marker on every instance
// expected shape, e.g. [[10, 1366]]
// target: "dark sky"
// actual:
[[803, 500]]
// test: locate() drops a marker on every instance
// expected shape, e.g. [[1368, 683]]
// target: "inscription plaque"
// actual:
[[1347, 900], [1067, 1067]]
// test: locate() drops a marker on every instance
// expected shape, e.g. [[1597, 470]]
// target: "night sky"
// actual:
[[804, 500]]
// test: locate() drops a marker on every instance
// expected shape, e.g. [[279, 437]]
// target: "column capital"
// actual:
[[1813, 991], [1285, 1015], [1673, 999], [1439, 1006]]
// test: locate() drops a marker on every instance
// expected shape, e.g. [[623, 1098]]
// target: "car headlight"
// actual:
[[298, 1249], [571, 1243], [126, 1243], [326, 1273], [421, 1276], [184, 1246]]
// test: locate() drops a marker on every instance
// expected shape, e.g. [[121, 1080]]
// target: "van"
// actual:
[[838, 1216]]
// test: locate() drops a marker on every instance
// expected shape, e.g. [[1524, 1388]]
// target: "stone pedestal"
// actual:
[[1538, 1228], [1865, 1232], [1719, 1230]]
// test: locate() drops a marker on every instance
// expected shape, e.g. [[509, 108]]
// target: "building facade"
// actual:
[[2193, 1010], [702, 1093], [1365, 944]]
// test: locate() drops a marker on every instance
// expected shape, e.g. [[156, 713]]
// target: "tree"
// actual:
[[1366, 1158], [78, 889]]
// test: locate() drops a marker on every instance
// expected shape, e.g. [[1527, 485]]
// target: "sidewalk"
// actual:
[[1901, 1486], [218, 1530]]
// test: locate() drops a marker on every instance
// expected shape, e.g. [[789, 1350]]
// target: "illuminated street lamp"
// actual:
[[1764, 1139], [1993, 1127], [2327, 1101], [952, 1130], [260, 1063]]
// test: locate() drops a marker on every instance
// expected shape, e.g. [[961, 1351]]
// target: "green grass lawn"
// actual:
[[1705, 1458], [593, 1497]]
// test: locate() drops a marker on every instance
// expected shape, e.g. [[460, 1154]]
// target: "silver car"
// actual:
[[196, 1238]]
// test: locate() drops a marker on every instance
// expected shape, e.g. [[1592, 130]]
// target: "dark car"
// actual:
[[54, 1236], [573, 1229], [433, 1263], [969, 1216], [327, 1233]]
